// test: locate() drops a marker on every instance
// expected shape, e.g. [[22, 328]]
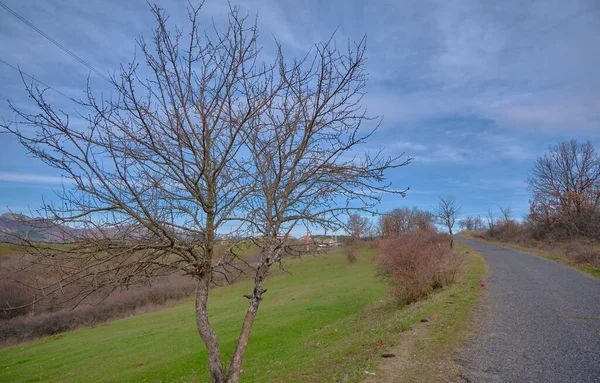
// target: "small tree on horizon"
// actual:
[[357, 226], [446, 212]]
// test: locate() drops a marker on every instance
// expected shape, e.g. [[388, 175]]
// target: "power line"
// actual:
[[34, 79], [65, 49]]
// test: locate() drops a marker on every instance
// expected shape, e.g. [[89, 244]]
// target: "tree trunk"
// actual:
[[236, 361], [206, 332]]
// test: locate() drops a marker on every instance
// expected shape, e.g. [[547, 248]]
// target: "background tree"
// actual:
[[357, 226], [491, 221], [471, 223], [467, 223], [565, 188], [446, 212], [212, 138], [403, 220], [506, 214]]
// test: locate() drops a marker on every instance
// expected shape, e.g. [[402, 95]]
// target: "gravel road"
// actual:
[[540, 322]]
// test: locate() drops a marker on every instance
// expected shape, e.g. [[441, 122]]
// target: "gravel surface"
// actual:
[[540, 322]]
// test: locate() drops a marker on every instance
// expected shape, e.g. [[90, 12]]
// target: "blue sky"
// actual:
[[474, 90]]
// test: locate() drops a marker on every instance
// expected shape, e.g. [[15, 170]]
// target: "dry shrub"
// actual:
[[12, 295], [416, 264], [54, 314], [578, 251], [351, 254], [118, 305]]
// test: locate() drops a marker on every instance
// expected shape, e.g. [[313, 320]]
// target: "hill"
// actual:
[[326, 321]]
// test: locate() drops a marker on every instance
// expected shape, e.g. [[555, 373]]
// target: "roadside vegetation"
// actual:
[[563, 223], [581, 254], [323, 320], [427, 352], [417, 263]]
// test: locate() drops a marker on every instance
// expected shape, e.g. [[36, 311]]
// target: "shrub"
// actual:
[[578, 249], [351, 254], [12, 295], [416, 264], [119, 305], [579, 252]]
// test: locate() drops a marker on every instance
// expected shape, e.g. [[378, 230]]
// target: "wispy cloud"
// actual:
[[32, 178], [408, 146]]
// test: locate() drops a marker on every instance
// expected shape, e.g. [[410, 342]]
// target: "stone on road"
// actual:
[[541, 322]]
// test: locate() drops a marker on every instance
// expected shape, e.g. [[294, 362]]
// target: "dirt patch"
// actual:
[[409, 366], [394, 369]]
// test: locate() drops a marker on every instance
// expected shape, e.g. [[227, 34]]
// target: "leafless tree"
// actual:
[[212, 140], [467, 223], [506, 214], [403, 220], [491, 220], [471, 223], [446, 212], [478, 223], [357, 226], [565, 188]]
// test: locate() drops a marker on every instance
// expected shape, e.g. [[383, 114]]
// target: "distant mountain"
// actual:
[[39, 229], [18, 226]]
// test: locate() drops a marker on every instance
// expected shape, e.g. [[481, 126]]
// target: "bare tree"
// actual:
[[357, 226], [478, 223], [467, 223], [491, 221], [446, 212], [212, 138], [506, 214], [471, 223], [403, 220], [565, 188]]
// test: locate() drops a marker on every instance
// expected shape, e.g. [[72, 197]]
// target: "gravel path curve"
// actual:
[[540, 322]]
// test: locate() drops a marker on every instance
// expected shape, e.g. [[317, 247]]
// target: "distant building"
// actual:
[[306, 238], [325, 242], [224, 242]]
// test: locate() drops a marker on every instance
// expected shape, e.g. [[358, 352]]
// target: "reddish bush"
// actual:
[[351, 254], [416, 264], [119, 305]]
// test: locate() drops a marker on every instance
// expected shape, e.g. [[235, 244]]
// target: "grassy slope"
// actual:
[[540, 253], [328, 321]]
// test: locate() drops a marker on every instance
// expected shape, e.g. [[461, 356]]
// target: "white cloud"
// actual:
[[408, 146], [32, 178]]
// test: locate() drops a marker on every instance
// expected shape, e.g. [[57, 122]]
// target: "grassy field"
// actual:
[[595, 272], [327, 321], [9, 250]]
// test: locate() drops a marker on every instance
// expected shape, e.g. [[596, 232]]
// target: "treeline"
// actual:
[[564, 208]]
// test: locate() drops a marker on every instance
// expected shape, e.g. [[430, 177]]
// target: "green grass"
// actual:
[[327, 321], [595, 272], [7, 250]]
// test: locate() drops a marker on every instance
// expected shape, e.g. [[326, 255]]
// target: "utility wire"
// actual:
[[65, 49], [34, 79]]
